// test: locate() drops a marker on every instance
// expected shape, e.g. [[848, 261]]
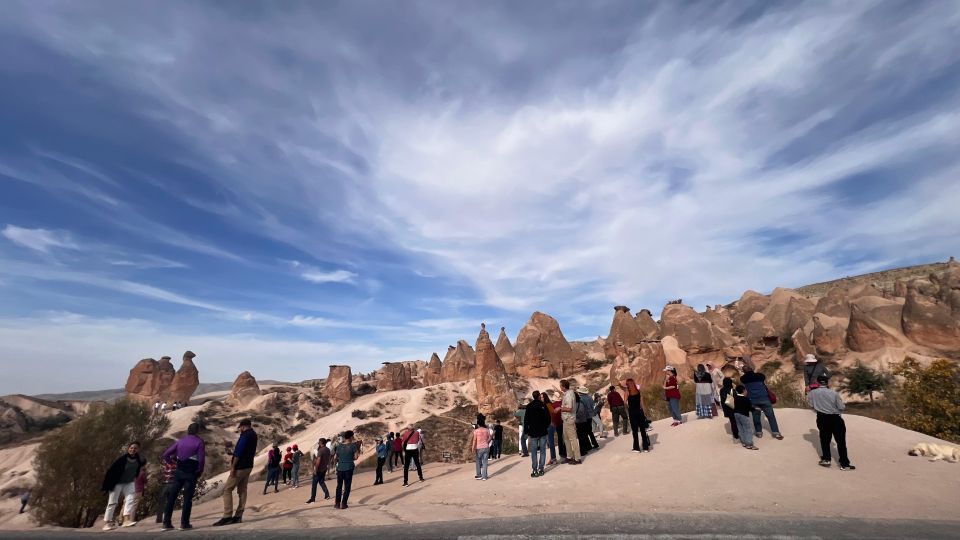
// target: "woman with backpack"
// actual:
[[411, 448]]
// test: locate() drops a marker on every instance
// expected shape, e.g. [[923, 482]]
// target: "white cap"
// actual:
[[810, 359]]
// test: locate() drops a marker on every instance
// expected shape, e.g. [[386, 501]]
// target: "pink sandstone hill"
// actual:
[[152, 381], [506, 352], [339, 385], [543, 351], [494, 391], [245, 389], [433, 373], [395, 376], [460, 364]]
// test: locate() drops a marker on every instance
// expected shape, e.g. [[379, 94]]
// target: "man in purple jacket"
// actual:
[[189, 453]]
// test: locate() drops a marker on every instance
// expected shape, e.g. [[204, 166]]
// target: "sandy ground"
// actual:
[[693, 468]]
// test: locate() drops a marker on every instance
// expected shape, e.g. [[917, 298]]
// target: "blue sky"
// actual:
[[282, 186]]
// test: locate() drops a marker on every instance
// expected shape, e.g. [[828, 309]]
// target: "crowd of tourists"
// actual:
[[552, 430], [160, 407]]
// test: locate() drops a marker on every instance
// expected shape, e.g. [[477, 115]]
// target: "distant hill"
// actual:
[[117, 393], [883, 280]]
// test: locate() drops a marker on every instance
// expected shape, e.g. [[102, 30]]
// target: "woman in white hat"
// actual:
[[813, 368]]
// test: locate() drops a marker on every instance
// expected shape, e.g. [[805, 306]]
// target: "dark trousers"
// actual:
[[344, 479], [273, 477], [583, 438], [495, 446], [186, 479], [397, 458], [638, 424], [728, 412], [414, 456], [619, 418], [379, 478], [832, 425], [286, 475], [389, 460], [162, 503], [561, 446], [318, 479]]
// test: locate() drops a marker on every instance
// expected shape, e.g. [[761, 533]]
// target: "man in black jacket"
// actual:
[[241, 465], [536, 422], [120, 480]]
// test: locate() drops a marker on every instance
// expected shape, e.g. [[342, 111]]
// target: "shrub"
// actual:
[[787, 345], [789, 390], [863, 381], [297, 428], [71, 463], [365, 388], [929, 398], [655, 405], [770, 368]]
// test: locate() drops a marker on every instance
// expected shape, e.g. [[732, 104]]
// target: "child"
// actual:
[[742, 411]]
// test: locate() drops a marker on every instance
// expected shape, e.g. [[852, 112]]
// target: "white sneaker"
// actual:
[[129, 523], [109, 526]]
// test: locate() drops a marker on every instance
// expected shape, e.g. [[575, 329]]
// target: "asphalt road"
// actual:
[[587, 526]]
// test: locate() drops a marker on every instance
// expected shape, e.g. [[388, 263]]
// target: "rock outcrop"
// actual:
[[829, 334], [152, 381], [750, 302], [643, 363], [339, 386], [675, 356], [433, 374], [692, 331], [933, 320], [778, 310], [719, 317], [245, 389], [460, 364], [624, 328], [505, 352], [799, 312], [395, 376], [759, 329], [494, 392], [834, 304], [874, 323], [543, 351], [649, 329]]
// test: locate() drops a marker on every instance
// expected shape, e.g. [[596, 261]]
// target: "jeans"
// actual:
[[239, 480], [389, 459], [538, 445], [483, 456], [638, 423], [598, 425], [129, 493], [674, 404], [551, 438], [296, 474], [767, 409], [186, 479], [832, 425], [162, 503], [746, 434], [570, 438], [619, 417], [318, 479], [344, 479], [379, 477], [273, 477], [414, 456], [523, 442]]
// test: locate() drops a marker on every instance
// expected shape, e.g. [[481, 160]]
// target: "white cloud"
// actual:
[[38, 239], [336, 276]]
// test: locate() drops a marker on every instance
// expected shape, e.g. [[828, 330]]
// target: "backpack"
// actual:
[[583, 414]]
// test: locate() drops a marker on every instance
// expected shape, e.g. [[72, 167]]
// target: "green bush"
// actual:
[[655, 405], [863, 381], [929, 398], [71, 462], [789, 390], [787, 345]]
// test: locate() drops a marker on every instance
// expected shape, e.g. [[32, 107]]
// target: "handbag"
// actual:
[[728, 401], [771, 396]]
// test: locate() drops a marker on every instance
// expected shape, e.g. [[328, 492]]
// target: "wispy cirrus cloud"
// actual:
[[38, 239]]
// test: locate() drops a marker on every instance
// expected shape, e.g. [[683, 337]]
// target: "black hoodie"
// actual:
[[536, 421], [112, 478]]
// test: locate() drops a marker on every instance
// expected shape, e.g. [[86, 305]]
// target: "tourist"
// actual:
[[759, 396], [497, 443], [168, 470], [389, 445], [241, 465], [551, 429], [813, 369], [588, 441], [617, 409], [727, 403], [156, 407], [24, 499], [119, 481], [557, 420], [829, 407], [742, 409], [189, 454], [671, 392], [347, 453], [638, 418], [536, 425], [480, 444], [320, 465], [568, 414], [295, 472], [273, 469], [597, 407], [411, 449], [287, 465], [717, 375], [521, 438], [163, 408], [704, 392], [381, 459], [397, 450]]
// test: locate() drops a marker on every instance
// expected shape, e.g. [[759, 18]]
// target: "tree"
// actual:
[[929, 398], [863, 381], [71, 462]]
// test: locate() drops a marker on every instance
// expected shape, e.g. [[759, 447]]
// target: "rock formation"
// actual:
[[802, 345], [931, 314], [750, 302], [493, 387], [339, 385], [245, 389], [395, 376], [874, 323], [542, 351], [675, 356], [693, 332], [505, 352], [433, 374], [460, 364], [152, 381], [643, 363], [759, 329], [624, 328], [719, 317], [834, 304], [649, 329], [799, 312], [777, 311], [829, 334]]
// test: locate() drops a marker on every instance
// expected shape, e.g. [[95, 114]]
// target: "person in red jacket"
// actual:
[[287, 465], [618, 410], [671, 391], [557, 422]]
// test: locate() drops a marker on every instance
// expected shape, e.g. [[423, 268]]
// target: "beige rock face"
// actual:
[[643, 363], [719, 317], [460, 363], [543, 351], [624, 328], [802, 344], [799, 312], [152, 381], [649, 329], [759, 329], [505, 352], [395, 376], [692, 331], [433, 374], [829, 334], [493, 387], [750, 302], [778, 310], [834, 304], [339, 386], [245, 389], [933, 321], [674, 355], [874, 323]]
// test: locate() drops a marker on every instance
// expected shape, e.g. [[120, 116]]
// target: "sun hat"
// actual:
[[810, 359], [582, 390], [668, 368]]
